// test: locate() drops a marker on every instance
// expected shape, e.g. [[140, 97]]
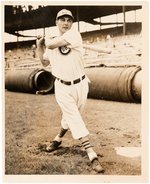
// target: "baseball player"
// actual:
[[64, 52]]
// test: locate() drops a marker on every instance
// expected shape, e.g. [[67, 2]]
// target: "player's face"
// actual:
[[64, 24]]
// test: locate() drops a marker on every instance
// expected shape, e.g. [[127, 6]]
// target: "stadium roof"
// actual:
[[45, 16]]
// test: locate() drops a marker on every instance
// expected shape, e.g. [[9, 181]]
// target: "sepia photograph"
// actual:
[[75, 97]]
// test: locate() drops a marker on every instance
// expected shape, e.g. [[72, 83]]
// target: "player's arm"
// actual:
[[53, 43], [40, 50]]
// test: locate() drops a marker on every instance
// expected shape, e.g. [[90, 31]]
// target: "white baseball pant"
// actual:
[[72, 99]]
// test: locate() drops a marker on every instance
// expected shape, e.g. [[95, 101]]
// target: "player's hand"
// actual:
[[45, 63], [40, 40]]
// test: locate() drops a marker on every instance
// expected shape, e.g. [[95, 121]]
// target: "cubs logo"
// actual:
[[64, 50]]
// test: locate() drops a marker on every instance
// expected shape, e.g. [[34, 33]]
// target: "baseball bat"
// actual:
[[96, 48]]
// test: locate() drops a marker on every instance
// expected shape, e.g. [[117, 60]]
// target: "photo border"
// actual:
[[145, 101]]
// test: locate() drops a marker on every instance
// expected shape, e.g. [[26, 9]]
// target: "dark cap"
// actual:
[[64, 12]]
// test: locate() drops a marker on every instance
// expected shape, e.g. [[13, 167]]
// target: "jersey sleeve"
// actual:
[[73, 38]]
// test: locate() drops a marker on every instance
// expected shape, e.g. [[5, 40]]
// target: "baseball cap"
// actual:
[[64, 12]]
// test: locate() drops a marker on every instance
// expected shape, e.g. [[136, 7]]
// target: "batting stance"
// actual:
[[64, 52]]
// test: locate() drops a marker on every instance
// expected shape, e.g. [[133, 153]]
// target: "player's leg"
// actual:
[[66, 98], [82, 98], [57, 140], [95, 163]]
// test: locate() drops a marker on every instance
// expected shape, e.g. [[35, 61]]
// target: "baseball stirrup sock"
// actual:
[[62, 132], [86, 144], [60, 135], [91, 153]]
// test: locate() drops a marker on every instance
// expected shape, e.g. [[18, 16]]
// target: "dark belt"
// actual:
[[73, 82]]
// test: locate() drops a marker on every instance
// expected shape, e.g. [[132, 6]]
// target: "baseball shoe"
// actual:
[[49, 148], [96, 166], [53, 146]]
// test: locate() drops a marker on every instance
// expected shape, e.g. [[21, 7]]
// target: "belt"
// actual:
[[71, 82]]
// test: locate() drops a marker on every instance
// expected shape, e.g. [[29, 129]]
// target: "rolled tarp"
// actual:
[[29, 80], [115, 83]]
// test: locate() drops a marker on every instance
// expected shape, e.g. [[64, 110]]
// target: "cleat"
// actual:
[[96, 166], [53, 146]]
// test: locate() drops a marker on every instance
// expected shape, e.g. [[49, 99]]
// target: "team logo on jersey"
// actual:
[[64, 50]]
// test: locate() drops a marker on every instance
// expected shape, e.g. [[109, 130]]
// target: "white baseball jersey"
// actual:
[[66, 61]]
